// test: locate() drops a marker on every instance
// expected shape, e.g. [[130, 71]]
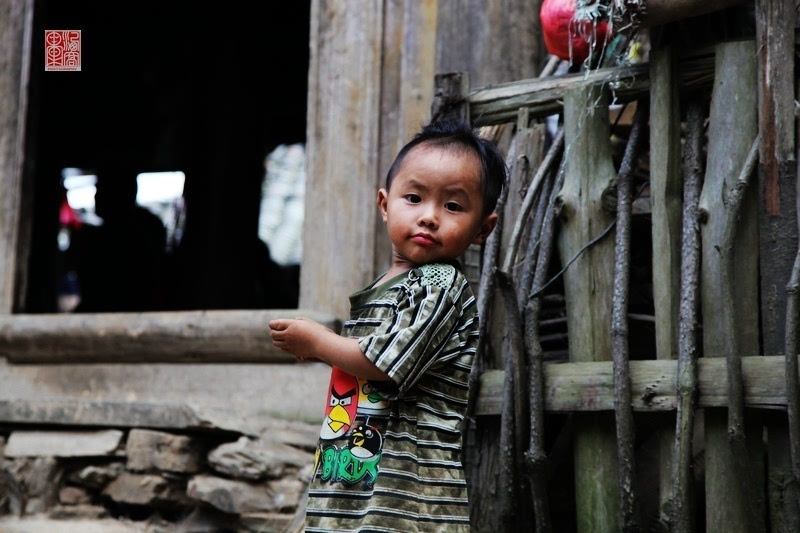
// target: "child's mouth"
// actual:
[[423, 239]]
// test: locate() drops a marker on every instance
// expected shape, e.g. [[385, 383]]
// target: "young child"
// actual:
[[388, 458]]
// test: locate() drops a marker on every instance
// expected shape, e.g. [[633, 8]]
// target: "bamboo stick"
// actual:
[[682, 518], [619, 329]]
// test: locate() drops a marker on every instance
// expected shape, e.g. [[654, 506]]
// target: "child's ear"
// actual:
[[383, 197], [487, 226]]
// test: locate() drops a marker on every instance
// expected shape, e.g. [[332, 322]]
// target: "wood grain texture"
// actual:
[[581, 387], [168, 337], [499, 103], [775, 23], [407, 71], [588, 283], [666, 197], [733, 109], [342, 138], [16, 24]]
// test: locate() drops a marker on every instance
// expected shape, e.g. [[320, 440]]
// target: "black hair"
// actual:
[[458, 134]]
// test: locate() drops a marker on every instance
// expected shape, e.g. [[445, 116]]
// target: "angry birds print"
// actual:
[[340, 411], [370, 401], [365, 442]]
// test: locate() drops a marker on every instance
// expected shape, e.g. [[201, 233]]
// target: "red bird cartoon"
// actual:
[[562, 32], [340, 412]]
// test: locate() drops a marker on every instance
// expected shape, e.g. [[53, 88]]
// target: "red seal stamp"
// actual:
[[62, 50]]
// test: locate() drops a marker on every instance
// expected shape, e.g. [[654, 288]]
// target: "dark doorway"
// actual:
[[169, 86]]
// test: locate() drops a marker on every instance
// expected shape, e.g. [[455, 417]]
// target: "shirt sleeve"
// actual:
[[408, 342]]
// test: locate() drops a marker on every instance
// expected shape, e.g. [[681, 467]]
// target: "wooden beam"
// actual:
[[79, 412], [343, 135], [731, 499], [16, 24], [544, 96], [775, 35], [174, 337], [589, 177], [666, 190], [581, 387]]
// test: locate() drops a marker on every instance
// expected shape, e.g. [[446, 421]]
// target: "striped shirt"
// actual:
[[388, 458]]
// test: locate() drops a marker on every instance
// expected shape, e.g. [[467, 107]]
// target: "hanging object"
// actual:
[[567, 38]]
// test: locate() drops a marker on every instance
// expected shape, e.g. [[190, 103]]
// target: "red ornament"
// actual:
[[560, 31]]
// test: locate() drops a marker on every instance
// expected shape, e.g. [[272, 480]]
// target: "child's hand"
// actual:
[[299, 337]]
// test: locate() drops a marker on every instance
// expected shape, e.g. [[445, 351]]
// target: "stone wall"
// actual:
[[212, 480]]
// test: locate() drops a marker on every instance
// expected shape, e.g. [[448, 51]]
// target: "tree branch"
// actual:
[[619, 326], [728, 307], [681, 513], [513, 425], [792, 380], [530, 195]]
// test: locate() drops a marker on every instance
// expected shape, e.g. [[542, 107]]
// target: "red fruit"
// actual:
[[560, 30]]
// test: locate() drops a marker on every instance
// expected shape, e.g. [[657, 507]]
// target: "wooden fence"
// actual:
[[577, 214]]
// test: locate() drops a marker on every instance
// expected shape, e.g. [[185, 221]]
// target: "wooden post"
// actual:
[[343, 133], [16, 23], [588, 284], [665, 194], [775, 21], [407, 71], [734, 499]]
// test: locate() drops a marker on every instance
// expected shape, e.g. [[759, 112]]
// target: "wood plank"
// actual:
[[733, 499], [77, 412], [16, 25], [171, 337], [588, 283], [343, 146], [499, 103], [666, 192], [493, 42], [581, 387], [407, 73], [775, 35]]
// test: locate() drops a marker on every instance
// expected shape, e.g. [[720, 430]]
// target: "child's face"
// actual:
[[434, 209]]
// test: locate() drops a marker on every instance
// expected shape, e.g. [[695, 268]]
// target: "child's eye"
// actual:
[[452, 206], [413, 198]]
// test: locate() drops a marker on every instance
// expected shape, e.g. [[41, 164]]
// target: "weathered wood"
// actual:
[[75, 412], [775, 35], [170, 337], [343, 146], [514, 423], [589, 175], [537, 461], [792, 379], [16, 25], [449, 96], [665, 194], [660, 12], [494, 41], [407, 72], [589, 386], [629, 509], [733, 495], [499, 103], [524, 211], [681, 512], [727, 308]]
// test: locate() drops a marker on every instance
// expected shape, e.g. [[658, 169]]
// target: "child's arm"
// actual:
[[306, 339]]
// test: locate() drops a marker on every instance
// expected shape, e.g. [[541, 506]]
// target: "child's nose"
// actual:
[[428, 217]]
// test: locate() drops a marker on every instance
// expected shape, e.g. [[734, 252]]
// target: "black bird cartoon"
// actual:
[[365, 442]]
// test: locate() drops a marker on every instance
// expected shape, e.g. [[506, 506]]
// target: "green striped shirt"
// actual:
[[388, 458]]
